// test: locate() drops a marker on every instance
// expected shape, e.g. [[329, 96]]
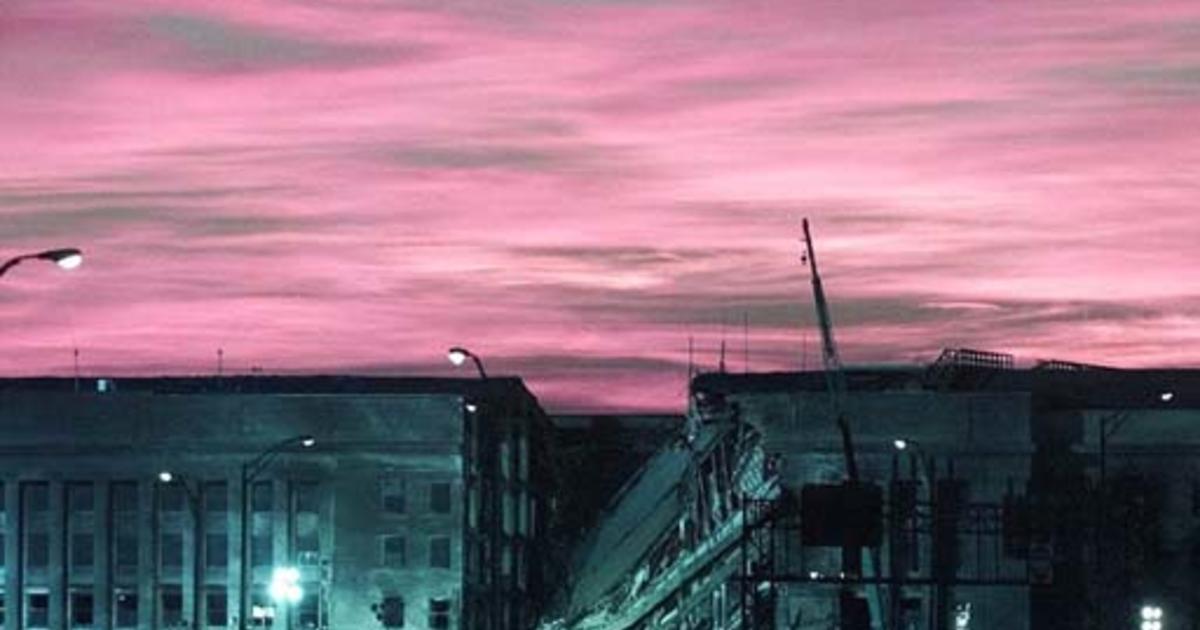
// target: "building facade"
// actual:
[[1058, 497], [418, 503]]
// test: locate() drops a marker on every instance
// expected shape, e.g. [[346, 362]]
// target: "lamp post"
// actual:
[[250, 470], [167, 477], [459, 355], [66, 258]]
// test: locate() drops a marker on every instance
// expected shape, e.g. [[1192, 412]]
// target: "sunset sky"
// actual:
[[572, 188]]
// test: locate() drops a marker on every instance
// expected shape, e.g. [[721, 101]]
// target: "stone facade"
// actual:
[[422, 501]]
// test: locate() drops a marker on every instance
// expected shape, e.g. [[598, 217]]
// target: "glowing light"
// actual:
[[308, 442], [900, 444], [70, 261], [285, 585], [457, 356], [166, 476], [1166, 396]]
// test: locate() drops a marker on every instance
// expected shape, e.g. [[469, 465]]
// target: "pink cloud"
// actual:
[[574, 188]]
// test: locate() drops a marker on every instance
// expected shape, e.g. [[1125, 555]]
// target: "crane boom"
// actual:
[[835, 376]]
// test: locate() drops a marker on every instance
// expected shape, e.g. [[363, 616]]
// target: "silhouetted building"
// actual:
[[423, 503], [987, 499]]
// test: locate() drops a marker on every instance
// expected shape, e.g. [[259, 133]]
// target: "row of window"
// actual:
[[80, 497], [81, 612], [393, 496], [393, 551], [390, 612]]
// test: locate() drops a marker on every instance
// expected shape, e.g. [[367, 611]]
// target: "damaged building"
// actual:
[[983, 497]]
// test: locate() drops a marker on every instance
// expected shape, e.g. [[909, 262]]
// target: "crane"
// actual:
[[835, 376], [835, 381]]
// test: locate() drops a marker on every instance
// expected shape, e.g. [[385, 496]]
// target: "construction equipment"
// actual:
[[835, 379]]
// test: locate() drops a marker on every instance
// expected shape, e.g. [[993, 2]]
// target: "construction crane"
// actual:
[[835, 380], [835, 376]]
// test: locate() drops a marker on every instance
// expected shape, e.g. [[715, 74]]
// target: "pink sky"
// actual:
[[572, 188]]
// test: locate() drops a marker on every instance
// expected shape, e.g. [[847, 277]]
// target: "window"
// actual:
[[393, 551], [508, 509], [81, 609], [80, 497], [439, 613], [216, 606], [216, 497], [439, 498], [37, 497], [124, 497], [391, 495], [505, 459], [37, 550], [126, 551], [216, 550], [439, 552], [125, 609], [308, 611], [390, 613], [523, 459], [172, 551], [171, 497], [306, 498], [82, 546], [261, 552], [37, 610], [3, 610], [261, 497], [172, 605]]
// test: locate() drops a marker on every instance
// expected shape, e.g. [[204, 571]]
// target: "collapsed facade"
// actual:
[[379, 502], [1063, 496]]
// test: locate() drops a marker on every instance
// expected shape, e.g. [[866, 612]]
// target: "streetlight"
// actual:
[[459, 355], [1152, 618], [250, 470], [166, 477], [66, 258]]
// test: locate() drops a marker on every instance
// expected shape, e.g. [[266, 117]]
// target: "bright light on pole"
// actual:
[[1152, 618], [166, 476], [900, 444], [458, 355], [285, 585], [65, 258]]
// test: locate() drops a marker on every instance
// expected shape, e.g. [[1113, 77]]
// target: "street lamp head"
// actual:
[[67, 258], [900, 444], [307, 441], [458, 355], [166, 476]]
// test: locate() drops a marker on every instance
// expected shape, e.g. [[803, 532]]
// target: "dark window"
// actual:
[[37, 497], [439, 498], [393, 551], [80, 497], [171, 497], [260, 550], [172, 605], [37, 613], [3, 558], [216, 497], [216, 606], [216, 550], [82, 546], [3, 610], [38, 552], [390, 612], [81, 609], [127, 551], [262, 499], [439, 552], [306, 498], [439, 613], [125, 611], [172, 551], [391, 491], [124, 497], [307, 610]]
